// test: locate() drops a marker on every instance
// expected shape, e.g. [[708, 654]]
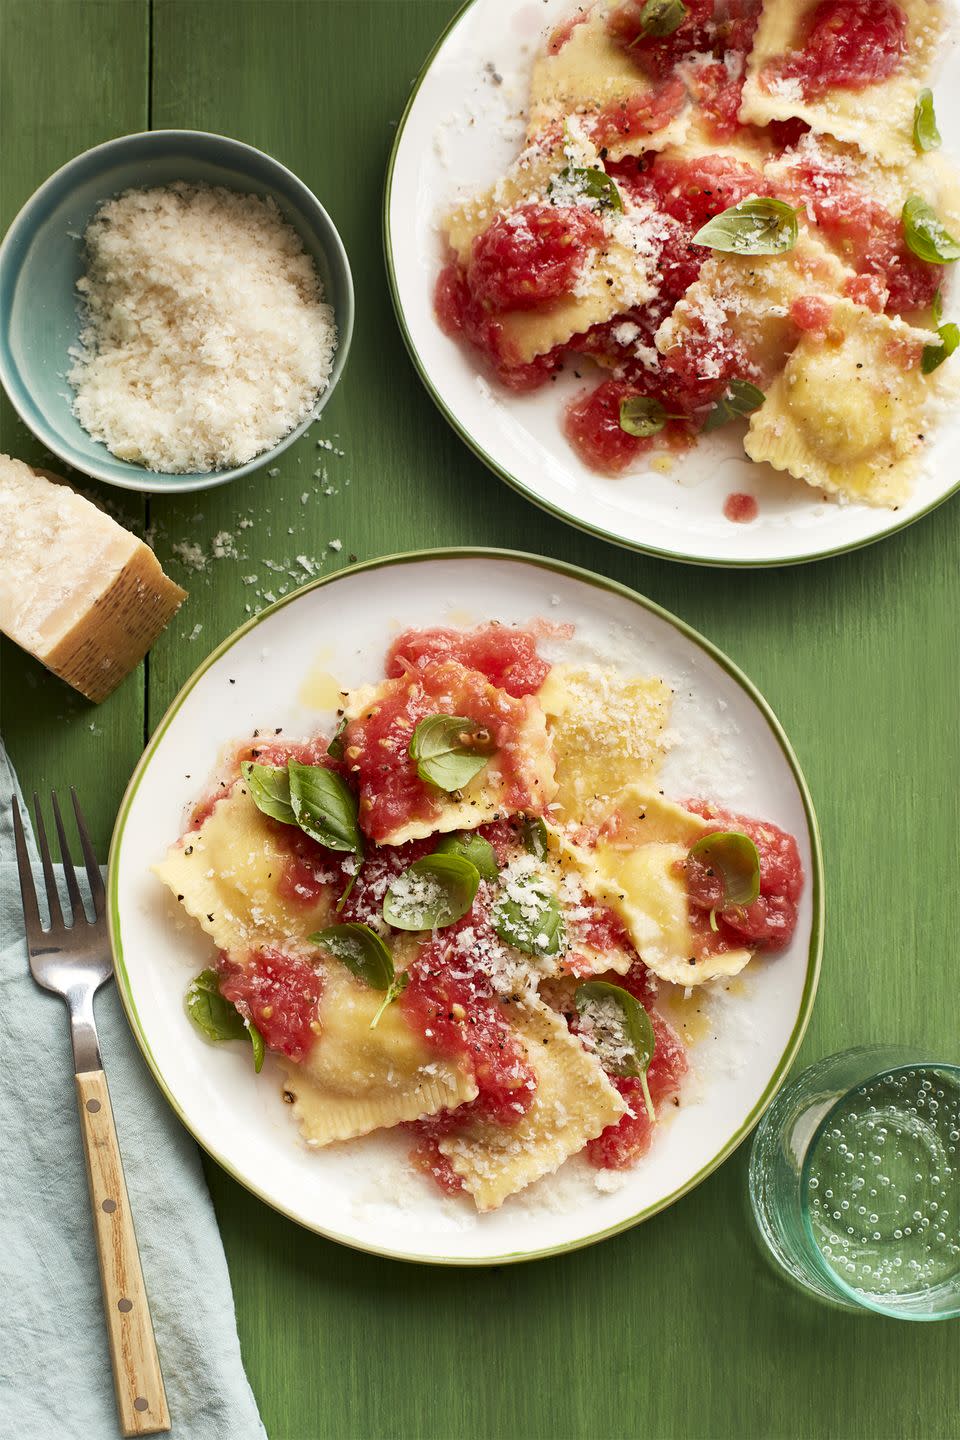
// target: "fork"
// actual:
[[74, 960]]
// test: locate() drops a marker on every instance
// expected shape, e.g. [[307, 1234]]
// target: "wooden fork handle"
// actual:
[[138, 1382]]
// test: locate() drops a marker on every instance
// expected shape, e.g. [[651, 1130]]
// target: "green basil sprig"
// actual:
[[632, 1036], [270, 790], [734, 858], [596, 184], [449, 750], [431, 893], [642, 416], [754, 227], [934, 355], [926, 136], [926, 235], [365, 956], [317, 800], [535, 840], [474, 848], [659, 18], [219, 1019], [532, 923], [740, 398]]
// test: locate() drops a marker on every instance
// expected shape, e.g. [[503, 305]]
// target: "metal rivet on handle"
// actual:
[[124, 1305], [93, 1106], [140, 1403], [109, 1206]]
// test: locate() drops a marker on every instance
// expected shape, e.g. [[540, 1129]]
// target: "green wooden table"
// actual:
[[676, 1329]]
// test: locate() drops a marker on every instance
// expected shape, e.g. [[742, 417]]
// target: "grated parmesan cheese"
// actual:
[[206, 339]]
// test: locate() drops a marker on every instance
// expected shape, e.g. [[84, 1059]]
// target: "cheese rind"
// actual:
[[77, 591]]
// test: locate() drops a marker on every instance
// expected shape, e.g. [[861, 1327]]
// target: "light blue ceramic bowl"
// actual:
[[41, 259]]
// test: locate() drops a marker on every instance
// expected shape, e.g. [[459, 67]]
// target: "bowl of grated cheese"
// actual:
[[176, 309]]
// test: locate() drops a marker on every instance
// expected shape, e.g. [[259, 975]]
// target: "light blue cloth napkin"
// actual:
[[55, 1378]]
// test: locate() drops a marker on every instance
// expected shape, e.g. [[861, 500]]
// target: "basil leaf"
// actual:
[[431, 893], [661, 17], [474, 848], [642, 416], [622, 1028], [740, 398], [361, 950], [447, 749], [734, 858], [934, 355], [270, 790], [531, 922], [365, 956], [594, 183], [632, 1020], [926, 136], [936, 307], [535, 836], [218, 1019], [754, 227], [335, 748], [325, 807], [926, 235]]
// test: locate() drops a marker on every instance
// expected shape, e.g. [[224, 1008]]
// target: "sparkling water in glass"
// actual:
[[855, 1182]]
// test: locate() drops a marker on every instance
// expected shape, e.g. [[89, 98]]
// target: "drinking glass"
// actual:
[[855, 1182]]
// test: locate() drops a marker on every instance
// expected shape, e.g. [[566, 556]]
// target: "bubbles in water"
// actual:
[[901, 1242]]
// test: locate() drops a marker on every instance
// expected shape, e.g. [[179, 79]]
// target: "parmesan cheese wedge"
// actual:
[[77, 591]]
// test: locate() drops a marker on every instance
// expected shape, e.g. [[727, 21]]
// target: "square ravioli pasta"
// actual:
[[701, 185], [454, 912], [849, 68]]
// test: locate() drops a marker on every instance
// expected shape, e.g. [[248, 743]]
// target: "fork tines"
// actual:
[[31, 909]]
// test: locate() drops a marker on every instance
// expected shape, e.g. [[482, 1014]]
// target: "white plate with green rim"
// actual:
[[365, 1193], [462, 126]]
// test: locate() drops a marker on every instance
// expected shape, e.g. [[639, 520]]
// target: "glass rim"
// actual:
[[856, 1297]]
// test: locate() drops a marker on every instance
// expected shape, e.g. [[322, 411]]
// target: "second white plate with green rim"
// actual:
[[461, 128], [365, 1193]]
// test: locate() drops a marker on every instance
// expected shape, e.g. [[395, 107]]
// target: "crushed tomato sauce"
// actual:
[[767, 924], [847, 44], [531, 256], [740, 508], [506, 656], [278, 993]]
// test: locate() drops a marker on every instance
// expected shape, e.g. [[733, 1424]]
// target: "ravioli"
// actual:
[[877, 117], [846, 415], [226, 875], [607, 730], [636, 869], [619, 274], [590, 75], [395, 805], [356, 1079], [574, 1101], [748, 298]]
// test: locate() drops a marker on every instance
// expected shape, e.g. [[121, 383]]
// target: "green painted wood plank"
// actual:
[[678, 1329], [61, 91]]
